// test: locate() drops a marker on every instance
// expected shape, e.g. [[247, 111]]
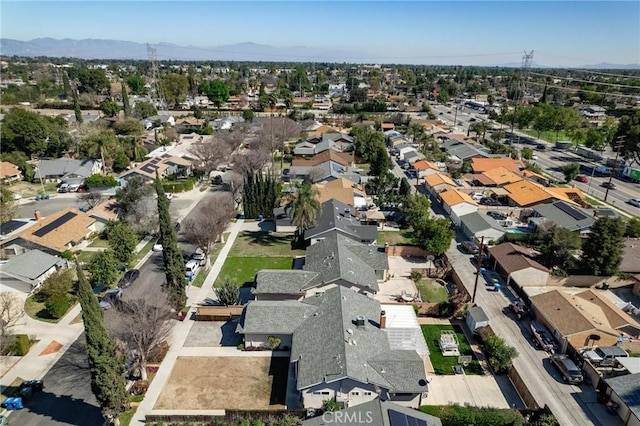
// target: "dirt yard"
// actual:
[[209, 383]]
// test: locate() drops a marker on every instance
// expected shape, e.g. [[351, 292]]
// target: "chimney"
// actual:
[[383, 320], [36, 215]]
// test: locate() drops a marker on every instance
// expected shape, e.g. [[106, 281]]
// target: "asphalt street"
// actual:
[[67, 398]]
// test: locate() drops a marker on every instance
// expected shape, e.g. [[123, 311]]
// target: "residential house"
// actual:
[[624, 391], [341, 351], [9, 172], [55, 234], [87, 117], [460, 151], [190, 123], [594, 114], [476, 226], [375, 412], [425, 168], [497, 177], [481, 165], [398, 141], [344, 191], [327, 141], [517, 264], [436, 183], [25, 272], [631, 258], [105, 212], [337, 216], [562, 214], [13, 226], [283, 285], [404, 149], [67, 169], [457, 204], [158, 121], [413, 156], [525, 193], [164, 166], [342, 261], [387, 126], [318, 131], [583, 319]]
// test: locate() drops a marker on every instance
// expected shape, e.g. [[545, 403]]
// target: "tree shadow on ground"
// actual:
[[264, 238]]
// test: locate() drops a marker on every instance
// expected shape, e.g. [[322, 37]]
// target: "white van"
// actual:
[[192, 267]]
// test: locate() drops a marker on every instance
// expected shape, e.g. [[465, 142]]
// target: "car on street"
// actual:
[[157, 246], [609, 185], [128, 278], [569, 370], [497, 215], [470, 247], [110, 297], [472, 119], [634, 202], [35, 385], [582, 178], [199, 256]]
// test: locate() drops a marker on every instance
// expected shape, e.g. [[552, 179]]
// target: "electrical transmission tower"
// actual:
[[153, 59], [527, 58]]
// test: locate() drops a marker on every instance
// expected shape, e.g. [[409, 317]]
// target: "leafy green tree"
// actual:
[[175, 88], [128, 127], [570, 171], [90, 80], [405, 187], [248, 115], [57, 306], [110, 108], [136, 189], [144, 110], [101, 144], [260, 194], [500, 354], [628, 133], [122, 240], [8, 206], [121, 161], [136, 84], [367, 142], [106, 364], [174, 263], [556, 246], [380, 161], [299, 80], [103, 268], [433, 235], [633, 228], [100, 181], [304, 207], [216, 90], [602, 252], [228, 293], [126, 106], [330, 405], [527, 153], [24, 131]]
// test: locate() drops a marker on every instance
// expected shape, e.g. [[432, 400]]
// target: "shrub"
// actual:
[[99, 181], [274, 342], [57, 305], [445, 309], [178, 186], [139, 387], [22, 345], [479, 416], [68, 255]]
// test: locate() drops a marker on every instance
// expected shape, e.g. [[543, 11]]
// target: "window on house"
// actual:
[[367, 393], [355, 393]]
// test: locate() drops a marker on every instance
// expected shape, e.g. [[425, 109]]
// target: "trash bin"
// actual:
[[13, 403], [37, 198], [260, 218], [26, 393], [46, 197]]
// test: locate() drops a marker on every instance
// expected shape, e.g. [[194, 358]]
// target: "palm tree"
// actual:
[[305, 207], [99, 143]]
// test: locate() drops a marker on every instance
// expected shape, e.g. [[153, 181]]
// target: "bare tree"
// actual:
[[142, 216], [234, 184], [92, 199], [208, 222], [316, 174], [214, 152], [11, 313], [252, 160], [277, 130], [141, 326]]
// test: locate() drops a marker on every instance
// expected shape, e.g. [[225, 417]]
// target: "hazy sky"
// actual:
[[569, 33]]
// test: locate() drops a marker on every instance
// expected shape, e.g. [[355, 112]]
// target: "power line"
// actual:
[[586, 81], [603, 73], [571, 89]]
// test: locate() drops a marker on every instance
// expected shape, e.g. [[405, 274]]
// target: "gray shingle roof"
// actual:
[[477, 222], [628, 389], [340, 258], [478, 314], [30, 265], [329, 346], [565, 215], [463, 150], [277, 281], [63, 167], [338, 216], [273, 317]]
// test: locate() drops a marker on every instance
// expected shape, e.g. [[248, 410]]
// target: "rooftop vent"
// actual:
[[360, 321]]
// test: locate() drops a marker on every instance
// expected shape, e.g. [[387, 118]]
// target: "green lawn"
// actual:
[[443, 365], [142, 253], [34, 306], [549, 136], [99, 242], [243, 269], [593, 201], [262, 243], [431, 292], [394, 238]]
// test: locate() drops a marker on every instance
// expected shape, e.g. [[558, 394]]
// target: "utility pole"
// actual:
[[153, 59], [619, 144], [478, 268]]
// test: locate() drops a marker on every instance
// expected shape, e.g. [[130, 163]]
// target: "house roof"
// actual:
[[570, 195], [463, 150], [512, 258], [61, 167], [58, 230], [324, 156], [8, 170], [478, 314], [323, 346], [278, 281], [501, 176], [616, 317], [161, 164], [481, 165], [339, 216], [413, 156], [341, 189], [30, 265], [339, 258], [273, 316], [438, 179], [106, 210], [627, 387], [320, 130], [526, 193], [631, 258], [376, 412], [453, 197], [566, 215], [421, 165], [13, 225], [477, 222]]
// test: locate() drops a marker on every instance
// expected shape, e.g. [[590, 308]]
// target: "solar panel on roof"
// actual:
[[399, 419], [574, 213], [55, 224]]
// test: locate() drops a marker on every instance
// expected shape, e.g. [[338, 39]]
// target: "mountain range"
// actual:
[[119, 49]]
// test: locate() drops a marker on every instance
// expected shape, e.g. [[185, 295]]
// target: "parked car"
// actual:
[[567, 368], [157, 246], [63, 188], [609, 185], [199, 256], [497, 215], [488, 201], [128, 278], [110, 297], [36, 385], [582, 178], [470, 247], [191, 268], [634, 202]]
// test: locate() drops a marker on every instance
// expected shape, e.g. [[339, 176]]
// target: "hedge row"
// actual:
[[180, 186], [455, 415]]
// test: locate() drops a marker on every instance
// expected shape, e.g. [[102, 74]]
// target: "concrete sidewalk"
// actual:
[[180, 332]]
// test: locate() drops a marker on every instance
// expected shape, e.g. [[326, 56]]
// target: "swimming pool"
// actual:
[[517, 231]]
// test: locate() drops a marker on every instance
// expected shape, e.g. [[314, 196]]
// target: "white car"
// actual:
[[534, 157], [16, 196], [634, 202], [169, 195], [477, 196], [157, 247]]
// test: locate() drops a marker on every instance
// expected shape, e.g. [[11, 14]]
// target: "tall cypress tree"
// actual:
[[105, 362], [173, 261], [65, 85], [76, 107], [125, 100]]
